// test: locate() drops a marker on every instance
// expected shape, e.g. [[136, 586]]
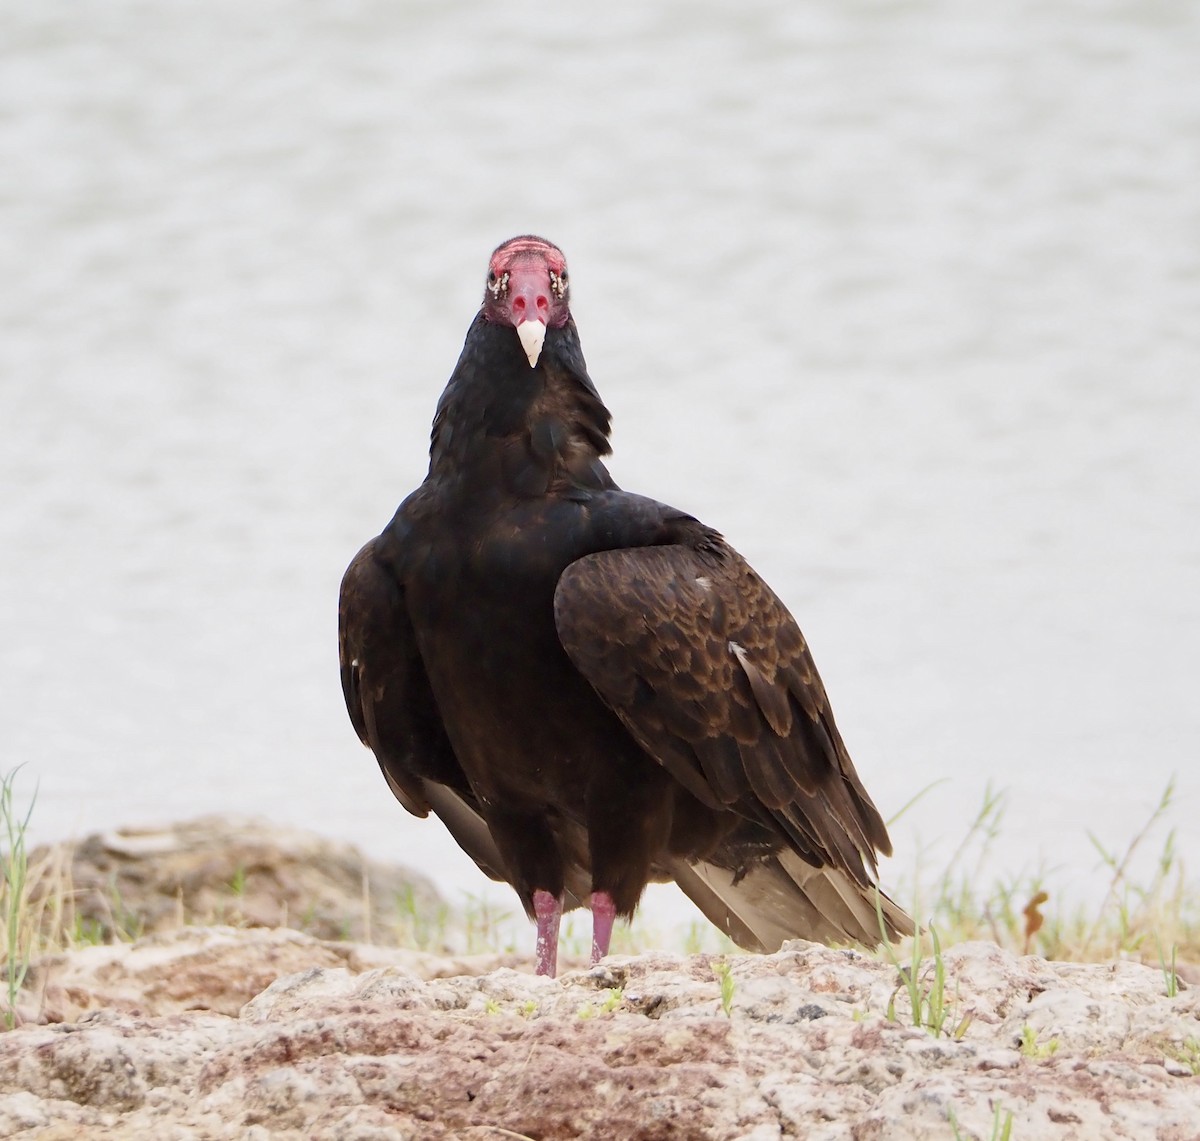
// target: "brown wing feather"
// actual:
[[710, 673]]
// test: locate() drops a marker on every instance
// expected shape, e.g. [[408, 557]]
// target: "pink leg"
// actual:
[[548, 911], [604, 911]]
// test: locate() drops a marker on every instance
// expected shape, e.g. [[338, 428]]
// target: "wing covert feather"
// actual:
[[710, 673]]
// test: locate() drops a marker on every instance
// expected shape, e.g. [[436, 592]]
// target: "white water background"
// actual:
[[903, 297]]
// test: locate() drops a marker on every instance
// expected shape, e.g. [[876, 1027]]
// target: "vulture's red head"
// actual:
[[527, 289]]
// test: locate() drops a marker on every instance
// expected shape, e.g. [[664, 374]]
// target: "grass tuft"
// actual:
[[1187, 1053], [20, 940], [929, 1007], [1029, 914]]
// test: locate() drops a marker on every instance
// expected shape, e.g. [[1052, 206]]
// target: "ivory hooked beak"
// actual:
[[533, 335]]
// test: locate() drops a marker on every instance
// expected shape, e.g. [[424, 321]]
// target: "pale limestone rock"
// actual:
[[357, 1044]]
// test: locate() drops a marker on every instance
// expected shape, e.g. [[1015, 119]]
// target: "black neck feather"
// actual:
[[531, 430]]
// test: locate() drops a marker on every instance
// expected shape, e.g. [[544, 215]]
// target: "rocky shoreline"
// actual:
[[261, 1032], [258, 1033]]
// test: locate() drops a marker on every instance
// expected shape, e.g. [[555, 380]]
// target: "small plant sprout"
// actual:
[[1032, 1048], [723, 973], [237, 882], [1170, 976], [1002, 1124], [612, 999]]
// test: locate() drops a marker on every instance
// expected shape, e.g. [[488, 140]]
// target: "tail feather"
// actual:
[[785, 898]]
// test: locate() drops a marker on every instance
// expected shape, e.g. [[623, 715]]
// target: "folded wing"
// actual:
[[709, 672], [393, 710]]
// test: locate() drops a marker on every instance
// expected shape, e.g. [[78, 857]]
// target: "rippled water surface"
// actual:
[[904, 297]]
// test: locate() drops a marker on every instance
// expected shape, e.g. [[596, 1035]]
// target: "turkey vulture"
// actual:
[[591, 689]]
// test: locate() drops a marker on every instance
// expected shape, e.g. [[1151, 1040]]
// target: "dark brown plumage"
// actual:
[[591, 689]]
